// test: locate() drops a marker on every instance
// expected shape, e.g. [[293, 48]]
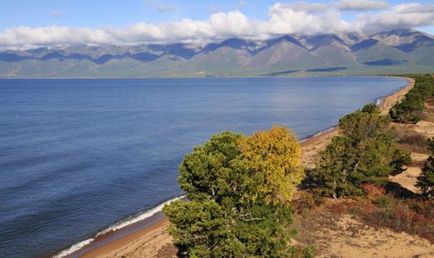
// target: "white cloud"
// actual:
[[302, 18], [299, 17], [218, 26], [414, 8], [400, 16], [361, 5], [53, 35]]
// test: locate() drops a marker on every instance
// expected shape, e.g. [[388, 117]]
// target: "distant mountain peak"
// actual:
[[317, 41], [292, 39], [315, 53], [406, 40], [403, 33]]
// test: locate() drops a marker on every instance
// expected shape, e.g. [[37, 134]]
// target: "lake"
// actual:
[[78, 156]]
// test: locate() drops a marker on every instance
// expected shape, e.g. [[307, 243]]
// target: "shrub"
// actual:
[[304, 201], [400, 216], [365, 153], [370, 108], [413, 216], [431, 145], [372, 190], [426, 180], [382, 202], [409, 110], [309, 252]]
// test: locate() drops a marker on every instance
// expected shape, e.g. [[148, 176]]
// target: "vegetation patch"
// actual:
[[239, 190], [410, 109], [410, 140], [426, 180], [365, 152], [380, 209]]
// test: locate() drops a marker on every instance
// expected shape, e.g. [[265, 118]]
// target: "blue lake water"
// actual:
[[76, 156]]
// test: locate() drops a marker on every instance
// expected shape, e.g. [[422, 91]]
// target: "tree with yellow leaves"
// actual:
[[239, 188], [275, 157]]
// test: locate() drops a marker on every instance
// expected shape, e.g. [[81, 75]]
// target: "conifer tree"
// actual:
[[239, 188], [365, 152], [431, 145], [426, 180], [410, 109]]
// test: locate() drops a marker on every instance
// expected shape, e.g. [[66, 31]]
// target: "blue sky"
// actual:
[[103, 14]]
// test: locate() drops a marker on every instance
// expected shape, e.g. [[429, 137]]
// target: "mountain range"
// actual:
[[389, 52]]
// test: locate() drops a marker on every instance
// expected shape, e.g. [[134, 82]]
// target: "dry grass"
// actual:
[[410, 140], [380, 209], [371, 227], [428, 113]]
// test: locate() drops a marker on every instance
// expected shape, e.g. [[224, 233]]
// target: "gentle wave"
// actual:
[[120, 225], [379, 101], [74, 248]]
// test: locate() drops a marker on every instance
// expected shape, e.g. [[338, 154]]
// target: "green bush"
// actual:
[[431, 145], [410, 109], [426, 180], [365, 152], [382, 202], [309, 252], [304, 201]]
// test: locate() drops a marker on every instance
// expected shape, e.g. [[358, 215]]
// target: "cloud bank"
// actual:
[[361, 5], [300, 17]]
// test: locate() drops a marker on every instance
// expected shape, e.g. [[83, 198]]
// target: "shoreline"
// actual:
[[151, 224], [203, 77], [120, 230]]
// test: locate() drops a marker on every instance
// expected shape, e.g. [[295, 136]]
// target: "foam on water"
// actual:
[[121, 224], [74, 248]]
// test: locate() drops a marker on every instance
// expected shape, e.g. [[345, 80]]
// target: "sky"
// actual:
[[29, 23]]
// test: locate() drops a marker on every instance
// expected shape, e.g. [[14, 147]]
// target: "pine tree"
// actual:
[[365, 152], [426, 180], [239, 189], [410, 109], [431, 145]]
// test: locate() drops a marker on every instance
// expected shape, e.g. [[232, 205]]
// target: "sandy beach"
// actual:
[[152, 239], [147, 242]]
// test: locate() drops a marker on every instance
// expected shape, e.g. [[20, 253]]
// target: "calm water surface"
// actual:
[[77, 156]]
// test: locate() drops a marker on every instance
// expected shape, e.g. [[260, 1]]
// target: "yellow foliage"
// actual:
[[276, 156]]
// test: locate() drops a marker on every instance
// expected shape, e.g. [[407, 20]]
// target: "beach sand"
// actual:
[[155, 241], [148, 242]]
